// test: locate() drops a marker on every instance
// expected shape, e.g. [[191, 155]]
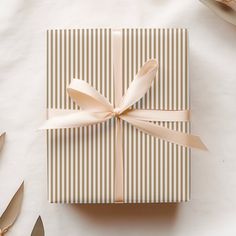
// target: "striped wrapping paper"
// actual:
[[81, 160]]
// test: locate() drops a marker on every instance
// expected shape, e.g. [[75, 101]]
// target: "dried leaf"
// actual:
[[38, 229], [2, 140], [12, 211], [222, 10], [230, 3]]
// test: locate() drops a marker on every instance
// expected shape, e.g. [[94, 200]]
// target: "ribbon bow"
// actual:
[[95, 108]]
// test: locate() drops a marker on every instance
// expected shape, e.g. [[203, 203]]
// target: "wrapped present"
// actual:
[[118, 116]]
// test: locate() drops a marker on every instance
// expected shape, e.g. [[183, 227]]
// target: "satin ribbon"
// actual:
[[95, 108]]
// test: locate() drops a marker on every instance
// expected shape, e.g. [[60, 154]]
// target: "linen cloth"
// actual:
[[22, 110]]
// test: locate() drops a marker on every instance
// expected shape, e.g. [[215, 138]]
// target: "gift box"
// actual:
[[82, 161]]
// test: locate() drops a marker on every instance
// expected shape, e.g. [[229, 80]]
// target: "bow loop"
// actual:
[[140, 85], [87, 97]]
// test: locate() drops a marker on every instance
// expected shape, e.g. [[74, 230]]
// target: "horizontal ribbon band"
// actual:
[[140, 114]]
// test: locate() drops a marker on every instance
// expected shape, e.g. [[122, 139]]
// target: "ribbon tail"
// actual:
[[183, 139], [76, 120]]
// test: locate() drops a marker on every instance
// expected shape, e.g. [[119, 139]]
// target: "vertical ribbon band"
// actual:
[[118, 80]]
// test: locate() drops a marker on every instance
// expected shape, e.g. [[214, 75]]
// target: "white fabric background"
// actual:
[[212, 210]]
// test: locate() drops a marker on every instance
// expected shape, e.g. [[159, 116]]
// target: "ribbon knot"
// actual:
[[116, 112]]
